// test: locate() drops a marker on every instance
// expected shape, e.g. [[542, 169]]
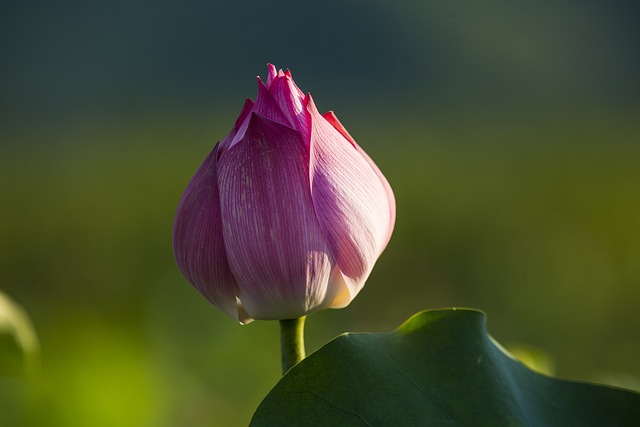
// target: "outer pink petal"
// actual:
[[246, 109], [198, 242], [331, 118], [349, 199], [275, 245]]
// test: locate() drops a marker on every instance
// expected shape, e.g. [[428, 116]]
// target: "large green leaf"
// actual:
[[439, 368]]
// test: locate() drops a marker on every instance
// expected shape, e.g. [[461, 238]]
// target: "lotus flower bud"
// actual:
[[287, 215]]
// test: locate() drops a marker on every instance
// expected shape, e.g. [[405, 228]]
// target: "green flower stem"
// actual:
[[291, 342]]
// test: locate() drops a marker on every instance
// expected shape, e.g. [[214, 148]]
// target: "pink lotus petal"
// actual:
[[331, 118], [198, 242], [226, 141], [265, 106], [275, 246], [349, 199], [244, 113], [291, 102], [271, 74]]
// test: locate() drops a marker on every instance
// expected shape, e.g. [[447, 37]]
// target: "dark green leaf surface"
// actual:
[[440, 368]]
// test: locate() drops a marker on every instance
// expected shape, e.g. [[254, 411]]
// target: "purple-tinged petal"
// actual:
[[274, 243], [198, 242], [349, 199], [333, 120], [244, 113], [226, 141], [291, 102], [265, 106]]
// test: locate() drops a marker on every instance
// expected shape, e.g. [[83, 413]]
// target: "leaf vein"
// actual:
[[401, 372]]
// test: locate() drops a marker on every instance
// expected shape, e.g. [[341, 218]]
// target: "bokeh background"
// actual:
[[509, 131]]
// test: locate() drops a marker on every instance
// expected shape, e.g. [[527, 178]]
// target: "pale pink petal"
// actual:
[[340, 289], [198, 242], [274, 244], [331, 118], [349, 199]]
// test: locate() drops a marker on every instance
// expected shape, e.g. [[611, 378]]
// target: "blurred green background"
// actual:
[[508, 130]]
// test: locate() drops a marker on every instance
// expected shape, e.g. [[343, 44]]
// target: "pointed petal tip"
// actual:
[[242, 316], [266, 105], [235, 311], [342, 294], [271, 73], [307, 100], [246, 108], [331, 117]]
